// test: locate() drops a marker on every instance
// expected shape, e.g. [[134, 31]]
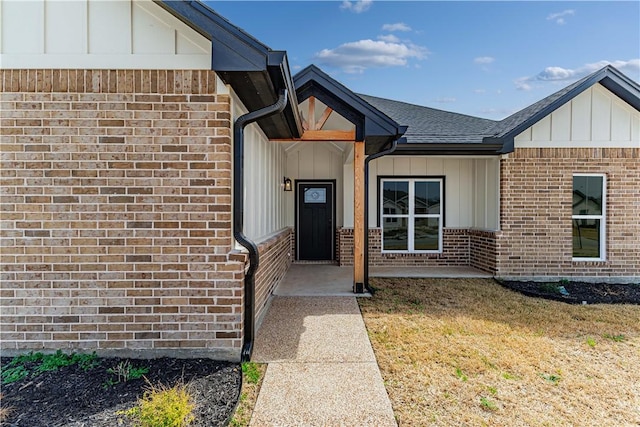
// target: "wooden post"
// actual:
[[358, 220]]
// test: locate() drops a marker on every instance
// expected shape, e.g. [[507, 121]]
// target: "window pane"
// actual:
[[426, 234], [395, 196], [586, 238], [587, 195], [427, 197], [395, 234], [315, 195]]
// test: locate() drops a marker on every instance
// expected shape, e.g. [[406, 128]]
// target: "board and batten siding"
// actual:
[[315, 161], [264, 171], [97, 34], [471, 187], [595, 118]]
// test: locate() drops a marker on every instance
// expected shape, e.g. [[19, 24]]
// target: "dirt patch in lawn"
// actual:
[[471, 352], [72, 396]]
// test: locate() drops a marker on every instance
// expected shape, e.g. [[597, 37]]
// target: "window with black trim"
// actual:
[[411, 214], [589, 217]]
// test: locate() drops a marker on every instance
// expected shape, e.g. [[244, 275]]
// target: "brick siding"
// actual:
[[459, 247], [116, 213], [276, 254], [483, 250], [536, 199]]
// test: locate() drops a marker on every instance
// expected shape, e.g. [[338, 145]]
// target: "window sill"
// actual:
[[411, 252], [588, 259]]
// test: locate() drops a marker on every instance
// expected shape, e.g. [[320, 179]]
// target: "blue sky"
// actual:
[[486, 59]]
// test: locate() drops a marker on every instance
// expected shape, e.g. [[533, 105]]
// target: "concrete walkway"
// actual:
[[322, 370]]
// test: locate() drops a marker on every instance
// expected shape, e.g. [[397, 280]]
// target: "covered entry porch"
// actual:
[[372, 207], [325, 169]]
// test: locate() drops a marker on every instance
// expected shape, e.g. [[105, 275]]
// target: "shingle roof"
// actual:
[[432, 126]]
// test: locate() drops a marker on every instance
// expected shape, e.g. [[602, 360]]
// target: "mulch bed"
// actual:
[[579, 292], [73, 397]]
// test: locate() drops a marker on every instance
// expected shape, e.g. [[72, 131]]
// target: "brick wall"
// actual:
[[345, 245], [536, 200], [116, 193], [457, 250], [276, 254], [483, 249]]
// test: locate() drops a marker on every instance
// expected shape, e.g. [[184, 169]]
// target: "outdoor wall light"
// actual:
[[287, 184]]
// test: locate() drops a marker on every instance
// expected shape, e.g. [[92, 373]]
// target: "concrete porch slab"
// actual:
[[332, 280], [316, 280]]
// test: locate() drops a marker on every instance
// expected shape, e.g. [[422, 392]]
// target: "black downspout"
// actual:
[[238, 217], [390, 150]]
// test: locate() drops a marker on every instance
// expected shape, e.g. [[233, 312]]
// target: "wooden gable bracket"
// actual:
[[312, 129], [310, 123]]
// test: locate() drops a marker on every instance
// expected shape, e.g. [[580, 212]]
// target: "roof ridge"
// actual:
[[427, 107]]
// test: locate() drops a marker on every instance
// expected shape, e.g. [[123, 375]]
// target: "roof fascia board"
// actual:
[[508, 144], [235, 50], [278, 60], [624, 88], [413, 149]]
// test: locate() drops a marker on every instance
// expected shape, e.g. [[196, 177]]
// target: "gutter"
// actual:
[[377, 155], [238, 217]]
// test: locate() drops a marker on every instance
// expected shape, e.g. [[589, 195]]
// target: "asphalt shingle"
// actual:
[[430, 125]]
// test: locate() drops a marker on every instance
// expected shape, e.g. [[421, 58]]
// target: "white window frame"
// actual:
[[411, 216], [602, 217]]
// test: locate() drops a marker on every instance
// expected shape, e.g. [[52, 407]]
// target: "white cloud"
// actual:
[[559, 17], [521, 84], [479, 91], [355, 57], [445, 100], [484, 59], [398, 26], [389, 38], [559, 74], [357, 6]]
